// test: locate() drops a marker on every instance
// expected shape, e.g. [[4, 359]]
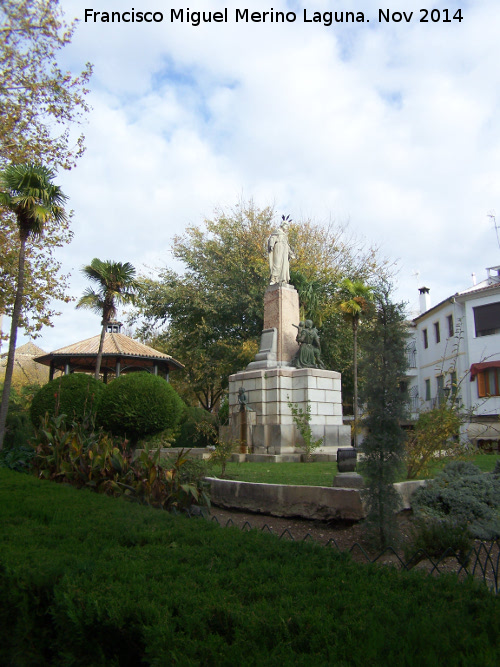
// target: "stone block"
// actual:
[[298, 396], [250, 384], [325, 408], [336, 408], [302, 382], [286, 382], [317, 431], [348, 480], [325, 383], [281, 311], [259, 437], [312, 502], [337, 436], [316, 396], [281, 435]]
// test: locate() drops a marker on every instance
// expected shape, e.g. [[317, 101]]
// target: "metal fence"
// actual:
[[482, 561]]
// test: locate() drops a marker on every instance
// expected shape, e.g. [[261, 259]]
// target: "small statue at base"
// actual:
[[309, 353], [242, 399]]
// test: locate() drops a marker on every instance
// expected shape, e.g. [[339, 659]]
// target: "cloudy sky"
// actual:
[[392, 126]]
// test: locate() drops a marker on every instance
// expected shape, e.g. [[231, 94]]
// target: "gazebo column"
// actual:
[[118, 368], [105, 376], [66, 368], [167, 374], [51, 371], [155, 369]]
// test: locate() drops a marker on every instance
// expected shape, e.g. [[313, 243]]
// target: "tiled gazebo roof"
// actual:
[[120, 354]]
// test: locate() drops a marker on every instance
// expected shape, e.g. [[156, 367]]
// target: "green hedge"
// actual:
[[91, 580], [74, 395], [139, 404]]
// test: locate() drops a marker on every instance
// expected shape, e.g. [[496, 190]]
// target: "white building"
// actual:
[[456, 351]]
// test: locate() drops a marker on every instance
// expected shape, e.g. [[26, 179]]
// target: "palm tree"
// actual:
[[27, 191], [358, 298], [312, 296], [116, 284]]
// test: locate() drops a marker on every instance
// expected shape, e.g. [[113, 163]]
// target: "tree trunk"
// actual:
[[99, 353], [16, 313], [355, 372]]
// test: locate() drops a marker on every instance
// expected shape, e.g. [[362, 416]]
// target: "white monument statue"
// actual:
[[280, 254]]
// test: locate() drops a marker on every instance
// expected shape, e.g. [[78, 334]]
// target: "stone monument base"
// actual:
[[272, 429]]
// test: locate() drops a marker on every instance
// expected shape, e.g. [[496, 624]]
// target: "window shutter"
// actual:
[[481, 385]]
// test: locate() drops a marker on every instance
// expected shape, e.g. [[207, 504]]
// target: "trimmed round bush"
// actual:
[[139, 404], [76, 395]]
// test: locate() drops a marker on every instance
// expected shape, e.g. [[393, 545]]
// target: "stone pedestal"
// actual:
[[269, 390], [281, 318], [270, 383]]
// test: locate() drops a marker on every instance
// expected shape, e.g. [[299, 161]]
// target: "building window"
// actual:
[[488, 382], [426, 340], [427, 390], [437, 332], [451, 328], [487, 319]]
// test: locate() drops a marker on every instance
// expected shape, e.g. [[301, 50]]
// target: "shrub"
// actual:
[[190, 434], [436, 536], [436, 435], [223, 414], [77, 396], [463, 495], [302, 420], [82, 456], [89, 580], [139, 404], [16, 457], [18, 427]]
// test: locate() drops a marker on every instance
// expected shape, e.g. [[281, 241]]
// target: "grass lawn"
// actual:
[[302, 474], [313, 474]]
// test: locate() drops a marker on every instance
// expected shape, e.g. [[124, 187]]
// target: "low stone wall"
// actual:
[[309, 502], [194, 452]]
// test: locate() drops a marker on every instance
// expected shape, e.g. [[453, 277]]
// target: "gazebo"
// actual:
[[121, 354]]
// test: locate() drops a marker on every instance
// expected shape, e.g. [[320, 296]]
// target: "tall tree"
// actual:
[[28, 192], [313, 296], [116, 285], [39, 106], [38, 101], [214, 310], [384, 364], [354, 302]]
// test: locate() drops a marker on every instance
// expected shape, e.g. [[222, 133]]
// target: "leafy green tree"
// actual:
[[211, 316], [116, 285], [39, 106], [38, 99], [28, 192], [313, 295], [384, 364], [354, 302]]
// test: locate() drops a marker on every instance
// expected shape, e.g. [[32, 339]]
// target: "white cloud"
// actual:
[[395, 127]]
